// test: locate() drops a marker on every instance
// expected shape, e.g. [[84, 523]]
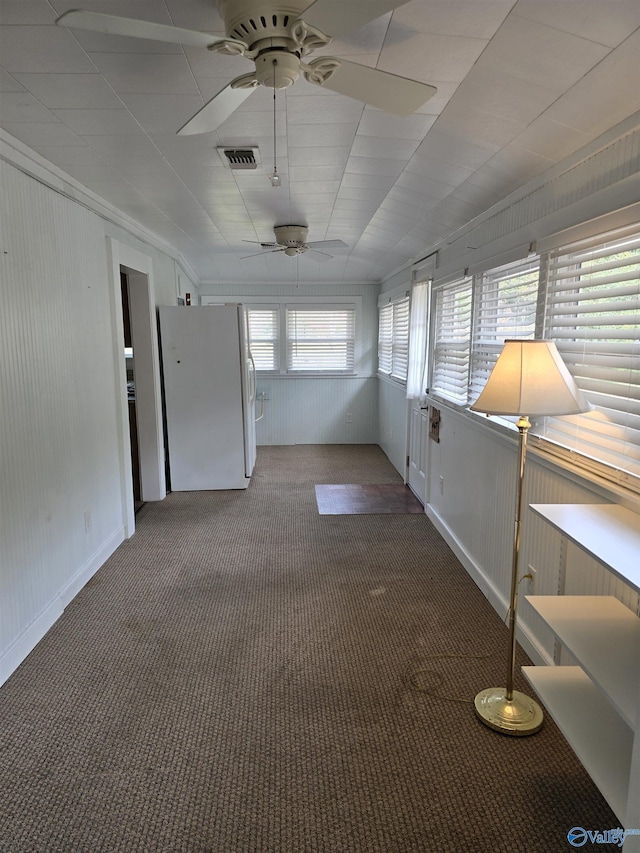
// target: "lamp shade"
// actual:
[[530, 378]]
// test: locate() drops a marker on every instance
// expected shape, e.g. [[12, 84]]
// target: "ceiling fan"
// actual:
[[277, 35], [291, 239]]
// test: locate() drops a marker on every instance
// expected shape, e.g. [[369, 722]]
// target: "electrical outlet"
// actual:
[[441, 485], [349, 418], [87, 521], [530, 581]]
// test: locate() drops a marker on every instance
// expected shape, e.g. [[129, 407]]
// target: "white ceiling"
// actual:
[[521, 85]]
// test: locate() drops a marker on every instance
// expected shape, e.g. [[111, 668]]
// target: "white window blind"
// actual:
[[451, 340], [264, 337], [593, 315], [505, 301], [320, 339], [385, 339], [393, 339]]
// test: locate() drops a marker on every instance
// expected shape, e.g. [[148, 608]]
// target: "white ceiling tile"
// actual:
[[330, 156], [501, 95], [427, 58], [115, 149], [9, 83], [445, 143], [78, 155], [540, 55], [315, 173], [146, 73], [87, 122], [71, 91], [40, 135], [479, 126], [467, 18], [308, 109], [376, 166], [606, 23], [42, 50], [16, 12], [381, 124], [384, 149], [612, 84], [21, 106], [548, 138], [312, 135], [447, 173], [162, 113]]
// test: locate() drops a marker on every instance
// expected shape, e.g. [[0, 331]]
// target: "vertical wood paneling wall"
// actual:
[[61, 498], [59, 457]]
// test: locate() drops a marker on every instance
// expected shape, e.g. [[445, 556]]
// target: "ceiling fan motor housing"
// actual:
[[291, 236], [251, 21]]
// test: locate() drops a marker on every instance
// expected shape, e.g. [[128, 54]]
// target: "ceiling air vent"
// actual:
[[240, 158]]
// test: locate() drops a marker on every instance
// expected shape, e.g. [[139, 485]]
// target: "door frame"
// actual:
[[144, 333]]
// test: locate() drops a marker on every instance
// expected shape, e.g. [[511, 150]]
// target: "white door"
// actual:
[[418, 448]]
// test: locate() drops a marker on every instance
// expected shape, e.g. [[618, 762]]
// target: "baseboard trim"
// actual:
[[498, 601], [26, 642]]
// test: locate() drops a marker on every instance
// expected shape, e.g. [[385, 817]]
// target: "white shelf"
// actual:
[[604, 636], [608, 532], [596, 733]]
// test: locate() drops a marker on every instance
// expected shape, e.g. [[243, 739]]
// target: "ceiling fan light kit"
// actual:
[[277, 38]]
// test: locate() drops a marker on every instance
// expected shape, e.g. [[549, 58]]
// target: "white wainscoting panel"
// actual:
[[60, 499], [315, 410]]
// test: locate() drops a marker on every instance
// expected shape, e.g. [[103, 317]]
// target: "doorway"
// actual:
[[141, 441], [129, 358]]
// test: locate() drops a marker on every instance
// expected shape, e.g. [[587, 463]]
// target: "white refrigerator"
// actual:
[[209, 392]]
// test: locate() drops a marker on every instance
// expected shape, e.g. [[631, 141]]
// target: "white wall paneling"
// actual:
[[393, 422], [60, 486], [315, 410]]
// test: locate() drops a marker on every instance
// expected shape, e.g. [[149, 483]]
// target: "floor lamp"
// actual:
[[529, 378]]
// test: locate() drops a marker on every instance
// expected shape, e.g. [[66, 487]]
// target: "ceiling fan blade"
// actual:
[[336, 18], [328, 244], [264, 245], [116, 25], [321, 257], [216, 111], [388, 92], [256, 254]]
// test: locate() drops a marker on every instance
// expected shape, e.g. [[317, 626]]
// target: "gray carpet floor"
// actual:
[[245, 674]]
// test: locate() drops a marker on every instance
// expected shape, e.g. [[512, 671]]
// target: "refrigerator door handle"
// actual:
[[261, 415], [252, 378]]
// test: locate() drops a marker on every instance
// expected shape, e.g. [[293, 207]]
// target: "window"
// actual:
[[300, 335], [592, 312], [320, 338], [451, 340], [393, 339], [586, 298], [264, 338], [504, 307]]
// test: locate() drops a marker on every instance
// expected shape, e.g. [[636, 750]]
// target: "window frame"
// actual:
[[592, 451], [396, 345], [281, 303]]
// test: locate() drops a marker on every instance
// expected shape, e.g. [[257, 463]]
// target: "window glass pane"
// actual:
[[400, 361], [393, 339], [593, 315], [505, 301], [263, 337], [385, 339], [320, 339], [452, 336]]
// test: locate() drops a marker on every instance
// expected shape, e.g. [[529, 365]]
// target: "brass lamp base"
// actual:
[[518, 716]]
